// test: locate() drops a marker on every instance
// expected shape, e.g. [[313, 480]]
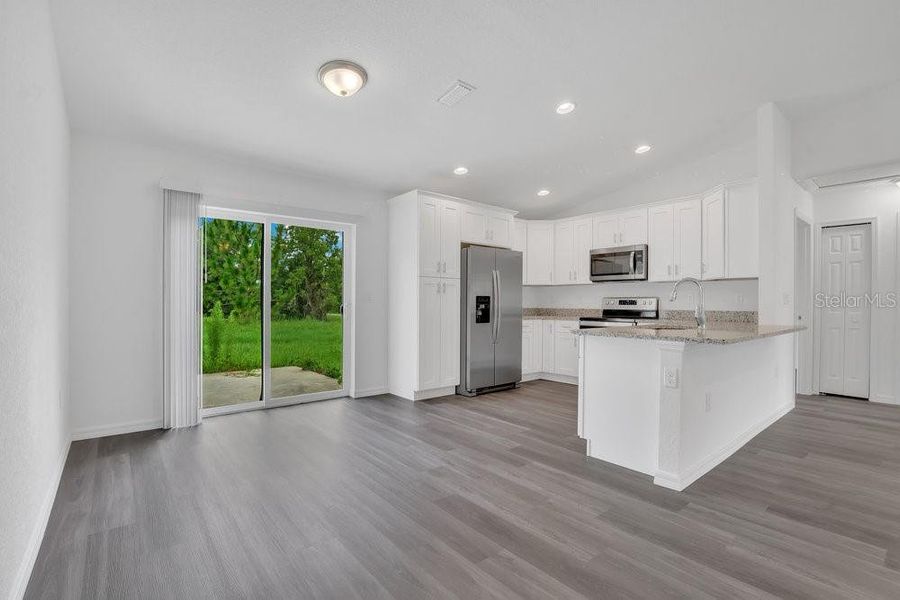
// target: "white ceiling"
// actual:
[[239, 77]]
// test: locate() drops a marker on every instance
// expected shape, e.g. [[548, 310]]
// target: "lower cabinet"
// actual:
[[438, 332], [566, 348], [549, 347]]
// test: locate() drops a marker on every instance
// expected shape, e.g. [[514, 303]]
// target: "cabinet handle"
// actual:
[[438, 266], [676, 270], [669, 269], [444, 267]]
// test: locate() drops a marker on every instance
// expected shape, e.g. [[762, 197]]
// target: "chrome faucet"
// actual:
[[699, 312]]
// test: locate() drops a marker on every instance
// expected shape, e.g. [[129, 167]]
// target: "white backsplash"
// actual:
[[736, 294]]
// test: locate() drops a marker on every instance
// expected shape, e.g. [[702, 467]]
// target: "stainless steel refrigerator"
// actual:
[[491, 324]]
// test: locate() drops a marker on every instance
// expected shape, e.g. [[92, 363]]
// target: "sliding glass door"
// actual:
[[232, 295], [274, 296]]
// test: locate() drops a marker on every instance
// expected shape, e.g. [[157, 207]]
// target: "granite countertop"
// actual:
[[573, 314], [715, 333]]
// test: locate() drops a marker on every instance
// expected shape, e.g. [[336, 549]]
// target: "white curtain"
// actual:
[[181, 309]]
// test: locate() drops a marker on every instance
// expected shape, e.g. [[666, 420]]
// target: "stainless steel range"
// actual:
[[623, 312]]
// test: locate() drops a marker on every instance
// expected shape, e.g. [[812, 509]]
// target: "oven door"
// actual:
[[619, 264]]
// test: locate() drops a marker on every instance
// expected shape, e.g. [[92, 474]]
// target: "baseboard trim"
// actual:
[[376, 391], [550, 377], [23, 576], [116, 429], [678, 482], [884, 399]]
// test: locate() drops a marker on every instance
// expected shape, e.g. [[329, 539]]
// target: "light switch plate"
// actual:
[[670, 377]]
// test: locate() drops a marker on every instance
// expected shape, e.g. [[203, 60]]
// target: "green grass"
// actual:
[[307, 343]]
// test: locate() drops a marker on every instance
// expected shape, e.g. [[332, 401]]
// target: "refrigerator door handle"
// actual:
[[494, 296], [499, 305]]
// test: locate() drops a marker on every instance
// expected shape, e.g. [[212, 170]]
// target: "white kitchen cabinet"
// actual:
[[742, 230], [450, 332], [548, 346], [713, 227], [606, 231], [539, 253], [571, 252], [563, 253], [429, 332], [566, 348], [581, 260], [532, 346], [661, 245], [439, 237], [688, 240], [633, 227], [622, 228], [481, 225], [675, 240], [439, 326], [519, 244]]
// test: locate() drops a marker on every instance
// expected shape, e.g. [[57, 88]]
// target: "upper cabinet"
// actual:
[[623, 228], [572, 251], [439, 237], [519, 243], [539, 253], [481, 225], [713, 245], [742, 230], [674, 241]]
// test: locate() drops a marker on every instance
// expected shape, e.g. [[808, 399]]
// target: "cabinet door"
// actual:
[[519, 242], [429, 332], [581, 259], [566, 348], [450, 242], [742, 231], [498, 230], [661, 245], [474, 225], [540, 253], [606, 231], [713, 226], [633, 227], [688, 239], [563, 253], [548, 347], [450, 332], [528, 347], [429, 237]]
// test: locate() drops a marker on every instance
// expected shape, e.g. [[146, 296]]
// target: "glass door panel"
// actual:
[[232, 358], [307, 329]]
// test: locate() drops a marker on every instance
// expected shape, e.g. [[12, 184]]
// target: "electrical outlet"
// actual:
[[740, 299], [786, 298], [708, 402], [670, 377], [776, 372]]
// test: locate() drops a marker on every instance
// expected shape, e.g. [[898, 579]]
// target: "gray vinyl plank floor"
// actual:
[[488, 497]]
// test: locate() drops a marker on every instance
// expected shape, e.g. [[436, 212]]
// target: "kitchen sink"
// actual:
[[663, 326]]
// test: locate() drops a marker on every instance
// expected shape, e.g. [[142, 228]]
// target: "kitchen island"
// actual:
[[673, 401]]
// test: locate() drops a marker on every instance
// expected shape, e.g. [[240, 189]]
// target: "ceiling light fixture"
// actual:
[[460, 171], [643, 149], [897, 182], [342, 77], [565, 108], [543, 193]]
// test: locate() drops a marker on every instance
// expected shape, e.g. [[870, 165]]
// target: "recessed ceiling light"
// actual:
[[565, 108], [543, 192], [342, 77], [460, 171], [897, 182], [643, 149]]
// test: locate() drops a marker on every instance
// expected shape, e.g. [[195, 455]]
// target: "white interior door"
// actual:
[[846, 314]]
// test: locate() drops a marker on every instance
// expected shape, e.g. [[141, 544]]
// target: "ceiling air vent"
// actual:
[[456, 93]]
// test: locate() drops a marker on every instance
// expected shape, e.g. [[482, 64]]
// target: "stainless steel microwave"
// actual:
[[624, 263]]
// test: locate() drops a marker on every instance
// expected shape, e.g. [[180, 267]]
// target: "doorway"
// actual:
[[846, 281], [274, 298]]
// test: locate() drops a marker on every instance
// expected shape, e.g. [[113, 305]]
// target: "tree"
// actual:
[[233, 269], [307, 272]]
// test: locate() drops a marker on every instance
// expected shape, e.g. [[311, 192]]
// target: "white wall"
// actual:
[[734, 160], [856, 132], [881, 201], [116, 254], [738, 294], [34, 154]]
